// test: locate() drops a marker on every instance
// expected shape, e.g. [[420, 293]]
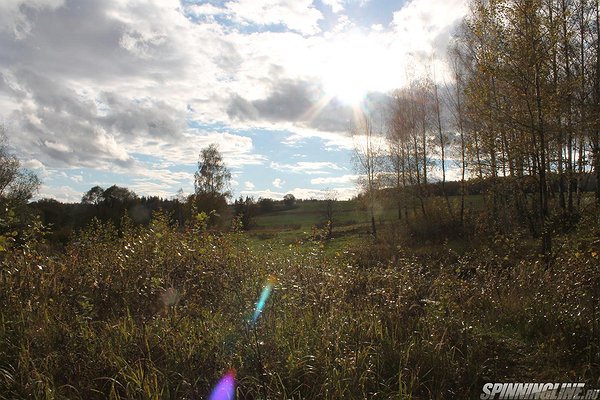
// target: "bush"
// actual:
[[438, 224]]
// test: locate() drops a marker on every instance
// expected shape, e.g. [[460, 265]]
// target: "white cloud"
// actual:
[[151, 188], [278, 183], [332, 140], [297, 15], [344, 179], [37, 167], [237, 150], [336, 5], [162, 72], [14, 18], [423, 27], [306, 167], [343, 193], [59, 147], [162, 177], [304, 193], [204, 9], [76, 178], [33, 164], [248, 185], [64, 194]]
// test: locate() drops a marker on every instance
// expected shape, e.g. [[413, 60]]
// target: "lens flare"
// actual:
[[225, 388], [170, 297], [260, 305]]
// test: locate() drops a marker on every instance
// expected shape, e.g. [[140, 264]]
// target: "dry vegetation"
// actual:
[[155, 312]]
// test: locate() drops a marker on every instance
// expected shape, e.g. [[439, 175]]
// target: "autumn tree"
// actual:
[[17, 185], [455, 102], [244, 210], [368, 157], [212, 177], [399, 128], [442, 137], [409, 138], [531, 93], [289, 200], [93, 196], [211, 183]]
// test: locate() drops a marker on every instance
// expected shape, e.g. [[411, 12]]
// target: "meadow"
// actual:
[[153, 312]]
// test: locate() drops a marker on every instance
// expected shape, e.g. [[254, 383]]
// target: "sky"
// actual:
[[128, 92]]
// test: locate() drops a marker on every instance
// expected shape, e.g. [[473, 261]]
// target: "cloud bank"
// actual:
[[136, 89]]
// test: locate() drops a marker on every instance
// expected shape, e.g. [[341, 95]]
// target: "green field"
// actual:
[[305, 214], [349, 217]]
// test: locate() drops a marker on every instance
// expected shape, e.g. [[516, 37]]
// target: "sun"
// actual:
[[345, 89], [344, 79], [353, 69], [349, 69], [346, 84]]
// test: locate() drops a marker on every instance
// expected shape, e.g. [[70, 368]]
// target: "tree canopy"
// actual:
[[212, 177], [17, 185], [114, 194]]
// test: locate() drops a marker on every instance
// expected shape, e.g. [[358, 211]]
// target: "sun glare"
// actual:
[[344, 79], [345, 83], [353, 69]]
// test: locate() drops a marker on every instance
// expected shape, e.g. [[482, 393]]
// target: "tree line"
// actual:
[[209, 202], [519, 110]]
